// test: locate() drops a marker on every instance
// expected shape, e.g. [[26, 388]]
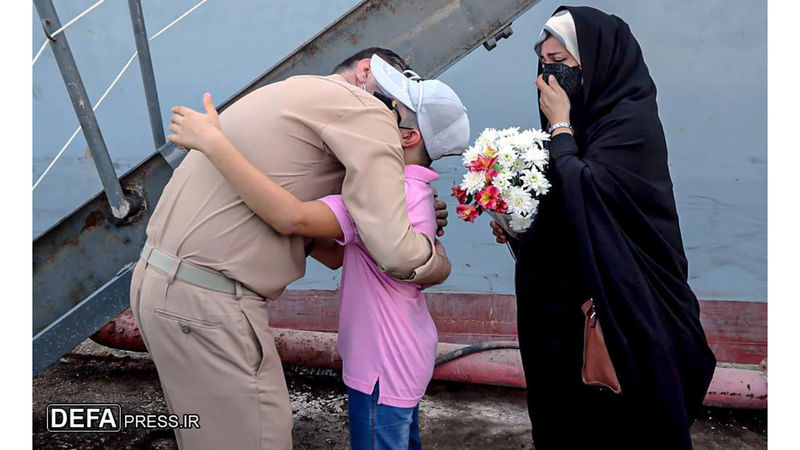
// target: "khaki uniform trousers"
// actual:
[[216, 358]]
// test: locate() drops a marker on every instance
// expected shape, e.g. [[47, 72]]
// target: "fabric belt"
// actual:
[[192, 274]]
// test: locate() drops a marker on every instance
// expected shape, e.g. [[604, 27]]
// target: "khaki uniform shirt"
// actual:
[[314, 136]]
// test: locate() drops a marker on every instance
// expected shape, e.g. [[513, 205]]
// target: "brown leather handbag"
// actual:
[[597, 368]]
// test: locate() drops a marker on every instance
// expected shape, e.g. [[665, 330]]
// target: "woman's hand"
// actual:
[[499, 234], [554, 102], [195, 130]]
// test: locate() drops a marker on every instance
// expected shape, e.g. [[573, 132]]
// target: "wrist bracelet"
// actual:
[[560, 125]]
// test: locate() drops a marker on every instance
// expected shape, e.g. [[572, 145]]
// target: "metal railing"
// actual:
[[92, 312], [113, 82], [119, 204]]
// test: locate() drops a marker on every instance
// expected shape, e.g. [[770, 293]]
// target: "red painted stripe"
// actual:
[[736, 331], [304, 321], [730, 387]]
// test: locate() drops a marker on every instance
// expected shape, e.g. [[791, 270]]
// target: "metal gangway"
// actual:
[[82, 265]]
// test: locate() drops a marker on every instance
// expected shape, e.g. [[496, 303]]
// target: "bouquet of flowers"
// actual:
[[505, 177]]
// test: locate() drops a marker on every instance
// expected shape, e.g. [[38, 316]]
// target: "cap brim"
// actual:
[[392, 82]]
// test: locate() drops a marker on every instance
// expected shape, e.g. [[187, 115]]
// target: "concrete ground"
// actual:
[[451, 415]]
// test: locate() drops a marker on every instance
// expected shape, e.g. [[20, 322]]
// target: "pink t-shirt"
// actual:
[[385, 329]]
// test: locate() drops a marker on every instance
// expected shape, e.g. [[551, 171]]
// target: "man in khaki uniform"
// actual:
[[198, 291]]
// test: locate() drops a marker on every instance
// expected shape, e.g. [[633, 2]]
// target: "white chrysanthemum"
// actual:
[[473, 181], [523, 141], [517, 166], [506, 132], [519, 201], [482, 143], [488, 135], [539, 135], [520, 223], [503, 145], [533, 180], [506, 156], [503, 183], [471, 154], [504, 173], [536, 156], [515, 141]]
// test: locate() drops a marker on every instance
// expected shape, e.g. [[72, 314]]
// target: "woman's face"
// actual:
[[553, 51]]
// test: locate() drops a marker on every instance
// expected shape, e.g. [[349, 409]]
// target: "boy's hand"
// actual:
[[440, 208], [195, 130]]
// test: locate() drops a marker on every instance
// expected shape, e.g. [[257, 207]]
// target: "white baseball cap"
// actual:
[[441, 116]]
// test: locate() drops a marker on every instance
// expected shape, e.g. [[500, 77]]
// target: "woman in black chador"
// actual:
[[607, 230]]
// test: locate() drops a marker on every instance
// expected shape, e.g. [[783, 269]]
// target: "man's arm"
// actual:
[[442, 270], [367, 142]]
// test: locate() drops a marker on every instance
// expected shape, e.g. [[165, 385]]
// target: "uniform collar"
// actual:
[[338, 77]]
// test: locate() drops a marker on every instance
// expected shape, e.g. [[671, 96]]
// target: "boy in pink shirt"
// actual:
[[386, 333], [387, 338]]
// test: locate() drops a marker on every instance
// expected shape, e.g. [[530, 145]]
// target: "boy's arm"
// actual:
[[273, 204]]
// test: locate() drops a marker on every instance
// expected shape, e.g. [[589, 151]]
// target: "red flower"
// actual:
[[490, 174], [467, 213], [488, 197], [460, 194], [501, 207], [482, 163]]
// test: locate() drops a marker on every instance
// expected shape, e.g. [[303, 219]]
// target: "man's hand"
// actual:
[[444, 269], [499, 234], [441, 213], [195, 130]]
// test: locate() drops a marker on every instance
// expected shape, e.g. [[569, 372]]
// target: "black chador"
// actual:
[[608, 229]]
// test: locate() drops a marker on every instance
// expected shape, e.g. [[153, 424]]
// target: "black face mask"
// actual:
[[569, 78]]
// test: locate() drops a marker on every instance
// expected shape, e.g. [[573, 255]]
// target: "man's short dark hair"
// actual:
[[387, 55]]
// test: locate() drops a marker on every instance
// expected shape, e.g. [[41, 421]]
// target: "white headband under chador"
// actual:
[[562, 26]]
